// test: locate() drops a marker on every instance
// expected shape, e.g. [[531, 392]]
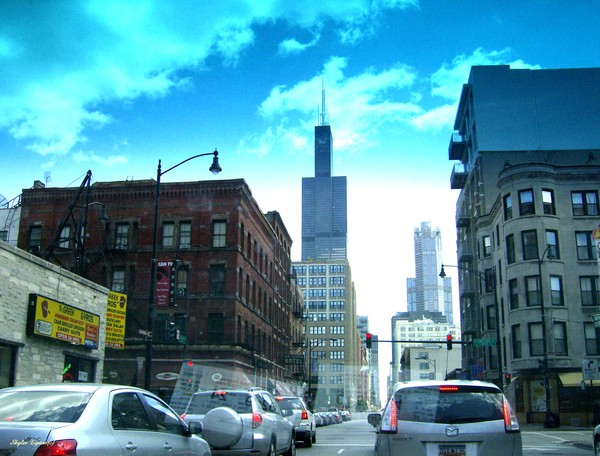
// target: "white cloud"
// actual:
[[293, 46], [81, 56], [447, 82], [91, 157]]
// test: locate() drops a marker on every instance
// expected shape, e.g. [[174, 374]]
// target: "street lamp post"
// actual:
[[496, 314], [215, 168], [549, 420]]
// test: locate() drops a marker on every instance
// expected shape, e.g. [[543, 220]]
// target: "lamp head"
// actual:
[[442, 272], [215, 168], [103, 217]]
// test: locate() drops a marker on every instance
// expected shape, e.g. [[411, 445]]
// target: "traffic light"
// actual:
[[449, 341], [507, 378], [368, 339], [172, 332]]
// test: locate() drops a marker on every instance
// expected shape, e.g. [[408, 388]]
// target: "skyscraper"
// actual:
[[324, 202], [427, 291]]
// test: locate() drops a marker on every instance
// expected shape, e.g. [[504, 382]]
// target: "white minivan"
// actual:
[[441, 418]]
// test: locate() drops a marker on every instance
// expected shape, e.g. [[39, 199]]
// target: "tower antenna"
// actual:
[[323, 107]]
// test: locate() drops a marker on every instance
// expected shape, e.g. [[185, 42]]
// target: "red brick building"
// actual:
[[223, 280]]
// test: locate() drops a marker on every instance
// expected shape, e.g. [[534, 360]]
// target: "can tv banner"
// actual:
[[166, 280]]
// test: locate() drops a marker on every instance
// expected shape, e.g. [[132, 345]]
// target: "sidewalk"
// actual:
[[535, 427]]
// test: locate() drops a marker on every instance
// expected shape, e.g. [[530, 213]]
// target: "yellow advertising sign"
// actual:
[[115, 320], [59, 321]]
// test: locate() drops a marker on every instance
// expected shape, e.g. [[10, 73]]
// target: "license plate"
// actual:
[[452, 450]]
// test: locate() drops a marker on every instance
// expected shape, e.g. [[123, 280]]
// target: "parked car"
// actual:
[[243, 422], [306, 431], [92, 419], [447, 417], [596, 439]]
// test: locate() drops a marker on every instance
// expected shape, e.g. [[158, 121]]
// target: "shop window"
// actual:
[[79, 369], [8, 358]]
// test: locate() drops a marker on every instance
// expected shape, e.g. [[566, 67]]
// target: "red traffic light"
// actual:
[[449, 341], [368, 339]]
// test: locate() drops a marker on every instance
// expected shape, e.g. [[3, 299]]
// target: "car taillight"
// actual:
[[389, 422], [257, 420], [511, 424], [304, 415], [67, 447]]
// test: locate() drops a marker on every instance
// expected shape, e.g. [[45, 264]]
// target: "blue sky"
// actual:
[[114, 86]]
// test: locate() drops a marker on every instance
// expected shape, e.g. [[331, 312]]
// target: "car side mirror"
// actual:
[[195, 427], [374, 419]]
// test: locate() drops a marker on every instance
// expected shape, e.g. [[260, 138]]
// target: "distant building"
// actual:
[[412, 329], [324, 203], [428, 291], [332, 338], [527, 153], [428, 362]]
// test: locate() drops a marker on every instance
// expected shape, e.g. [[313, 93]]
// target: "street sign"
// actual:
[[596, 320], [484, 342], [589, 368]]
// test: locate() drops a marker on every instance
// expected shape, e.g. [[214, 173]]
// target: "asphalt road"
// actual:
[[357, 438]]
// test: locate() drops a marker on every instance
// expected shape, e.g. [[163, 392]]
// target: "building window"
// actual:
[[536, 339], [185, 235], [168, 235], [337, 342], [182, 281], [121, 236], [508, 207], [510, 249], [585, 246], [8, 360], [556, 291], [336, 316], [219, 234], [490, 317], [552, 244], [513, 286], [487, 246], [548, 202], [516, 342], [65, 238], [79, 369], [118, 280], [336, 355], [591, 339], [590, 290], [530, 246], [35, 238], [489, 280], [526, 202], [217, 280], [585, 203], [216, 328], [532, 290], [560, 338], [337, 330]]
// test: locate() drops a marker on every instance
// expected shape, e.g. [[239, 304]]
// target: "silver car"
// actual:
[[243, 422], [306, 431], [459, 418], [92, 419]]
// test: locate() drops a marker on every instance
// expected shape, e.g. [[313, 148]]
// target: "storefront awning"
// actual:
[[570, 378]]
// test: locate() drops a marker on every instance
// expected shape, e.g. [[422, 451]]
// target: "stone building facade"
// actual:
[[27, 358]]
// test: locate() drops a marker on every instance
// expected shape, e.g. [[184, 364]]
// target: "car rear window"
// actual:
[[289, 403], [202, 403], [46, 406], [449, 404]]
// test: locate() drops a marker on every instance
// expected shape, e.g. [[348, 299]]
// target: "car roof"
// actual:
[[419, 383], [73, 387]]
